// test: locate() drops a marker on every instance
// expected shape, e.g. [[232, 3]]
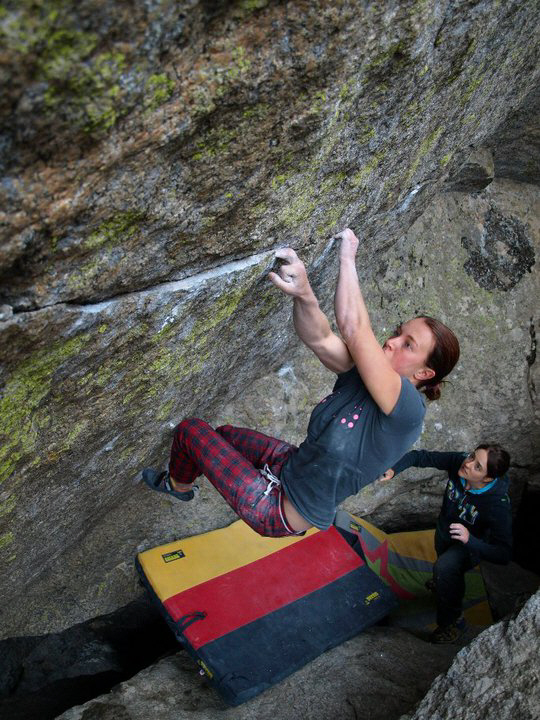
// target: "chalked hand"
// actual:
[[291, 277]]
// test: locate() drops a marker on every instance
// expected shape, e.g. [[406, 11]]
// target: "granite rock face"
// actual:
[[516, 144], [355, 680], [485, 400], [475, 174], [154, 155], [147, 143], [473, 258], [374, 676], [497, 675]]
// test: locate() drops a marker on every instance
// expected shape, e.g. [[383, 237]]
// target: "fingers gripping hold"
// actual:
[[291, 277], [349, 243], [287, 254]]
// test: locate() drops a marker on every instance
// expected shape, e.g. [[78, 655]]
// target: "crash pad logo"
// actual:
[[170, 556], [205, 669], [370, 598]]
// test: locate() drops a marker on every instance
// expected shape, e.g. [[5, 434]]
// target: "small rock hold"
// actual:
[[475, 174], [6, 312]]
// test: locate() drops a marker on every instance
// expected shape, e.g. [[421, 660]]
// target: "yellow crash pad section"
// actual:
[[182, 564]]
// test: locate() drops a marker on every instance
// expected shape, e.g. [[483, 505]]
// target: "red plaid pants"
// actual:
[[231, 458]]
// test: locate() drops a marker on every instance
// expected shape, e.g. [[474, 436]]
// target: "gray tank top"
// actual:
[[350, 442]]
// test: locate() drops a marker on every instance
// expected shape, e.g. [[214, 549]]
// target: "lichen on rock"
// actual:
[[154, 156]]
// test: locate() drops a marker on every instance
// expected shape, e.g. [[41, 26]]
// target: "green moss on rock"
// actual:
[[360, 177], [240, 63], [116, 230], [256, 112], [332, 218], [177, 353], [301, 205], [425, 146], [279, 180], [446, 159], [165, 410], [249, 6], [215, 142], [25, 390], [159, 89], [364, 132], [99, 245], [393, 57], [474, 83], [84, 84], [5, 540], [7, 506]]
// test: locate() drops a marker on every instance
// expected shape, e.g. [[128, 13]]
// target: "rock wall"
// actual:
[[154, 155], [496, 676], [357, 680], [375, 676], [473, 258], [486, 399], [516, 144]]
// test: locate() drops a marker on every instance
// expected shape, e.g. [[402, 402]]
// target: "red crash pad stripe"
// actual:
[[239, 597]]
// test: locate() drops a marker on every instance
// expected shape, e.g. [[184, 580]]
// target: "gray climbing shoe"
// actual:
[[449, 633], [161, 482]]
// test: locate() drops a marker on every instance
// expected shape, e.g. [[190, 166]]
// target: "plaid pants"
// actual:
[[231, 458]]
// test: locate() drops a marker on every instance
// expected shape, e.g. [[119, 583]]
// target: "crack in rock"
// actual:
[[531, 359], [168, 287]]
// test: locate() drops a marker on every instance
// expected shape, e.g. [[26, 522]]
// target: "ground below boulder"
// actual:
[[376, 676], [497, 676]]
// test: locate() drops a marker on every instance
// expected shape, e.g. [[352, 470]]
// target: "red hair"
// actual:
[[442, 358]]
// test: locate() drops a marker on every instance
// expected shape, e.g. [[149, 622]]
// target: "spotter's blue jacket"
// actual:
[[486, 513]]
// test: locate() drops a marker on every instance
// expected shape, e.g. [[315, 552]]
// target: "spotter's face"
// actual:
[[474, 468]]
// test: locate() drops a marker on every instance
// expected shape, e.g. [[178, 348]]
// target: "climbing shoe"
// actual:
[[161, 481], [448, 633]]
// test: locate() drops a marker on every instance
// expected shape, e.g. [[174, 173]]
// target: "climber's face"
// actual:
[[409, 348]]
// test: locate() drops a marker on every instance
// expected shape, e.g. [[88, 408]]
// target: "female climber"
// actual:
[[475, 523], [373, 415]]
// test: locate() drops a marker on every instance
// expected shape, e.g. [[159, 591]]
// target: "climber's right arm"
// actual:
[[310, 323]]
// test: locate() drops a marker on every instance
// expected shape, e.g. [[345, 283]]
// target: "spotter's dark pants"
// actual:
[[454, 559]]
